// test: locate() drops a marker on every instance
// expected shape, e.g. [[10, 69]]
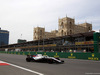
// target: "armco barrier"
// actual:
[[87, 56]]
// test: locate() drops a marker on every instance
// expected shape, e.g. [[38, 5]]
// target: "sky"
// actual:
[[20, 17]]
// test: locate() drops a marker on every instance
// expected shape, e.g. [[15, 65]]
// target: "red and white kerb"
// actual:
[[3, 63]]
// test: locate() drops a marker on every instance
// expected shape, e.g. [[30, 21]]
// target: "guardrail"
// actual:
[[87, 56]]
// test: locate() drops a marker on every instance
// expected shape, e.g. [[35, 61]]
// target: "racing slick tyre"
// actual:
[[62, 61], [28, 59], [50, 61]]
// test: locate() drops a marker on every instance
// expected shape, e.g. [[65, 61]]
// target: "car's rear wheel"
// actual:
[[28, 59]]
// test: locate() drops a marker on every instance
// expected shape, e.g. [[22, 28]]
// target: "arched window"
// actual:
[[40, 32], [70, 31], [61, 23], [67, 33], [35, 31], [70, 24], [62, 33], [89, 28]]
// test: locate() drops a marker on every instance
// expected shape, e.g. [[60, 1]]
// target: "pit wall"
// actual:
[[86, 56]]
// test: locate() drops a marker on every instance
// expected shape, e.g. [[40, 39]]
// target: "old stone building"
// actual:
[[66, 26]]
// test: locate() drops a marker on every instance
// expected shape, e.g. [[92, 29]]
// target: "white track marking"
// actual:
[[23, 68], [2, 62]]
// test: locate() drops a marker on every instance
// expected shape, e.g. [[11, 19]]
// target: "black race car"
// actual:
[[41, 58]]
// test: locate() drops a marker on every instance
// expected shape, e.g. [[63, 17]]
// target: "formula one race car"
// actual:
[[41, 58]]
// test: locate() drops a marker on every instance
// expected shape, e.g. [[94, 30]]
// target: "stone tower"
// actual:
[[38, 33], [66, 26], [87, 26]]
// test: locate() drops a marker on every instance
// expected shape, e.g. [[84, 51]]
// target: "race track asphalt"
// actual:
[[70, 67]]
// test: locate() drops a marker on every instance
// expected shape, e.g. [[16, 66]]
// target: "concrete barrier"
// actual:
[[87, 56]]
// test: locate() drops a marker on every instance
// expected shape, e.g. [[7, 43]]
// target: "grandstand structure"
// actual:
[[78, 42]]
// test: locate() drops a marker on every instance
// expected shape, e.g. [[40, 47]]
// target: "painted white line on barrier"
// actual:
[[24, 68]]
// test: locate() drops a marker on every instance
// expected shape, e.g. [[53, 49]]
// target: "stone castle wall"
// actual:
[[66, 26]]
